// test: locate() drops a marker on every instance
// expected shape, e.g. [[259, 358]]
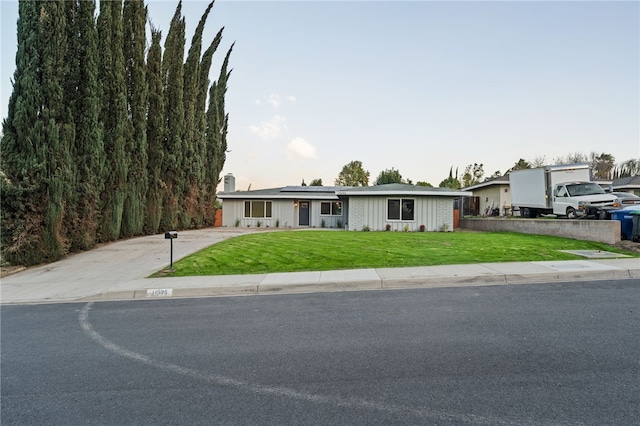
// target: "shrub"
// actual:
[[237, 222], [277, 223], [422, 228], [366, 228], [339, 224], [323, 224], [259, 224], [388, 227], [406, 228]]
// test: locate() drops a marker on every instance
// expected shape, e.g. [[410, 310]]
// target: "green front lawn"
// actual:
[[318, 250]]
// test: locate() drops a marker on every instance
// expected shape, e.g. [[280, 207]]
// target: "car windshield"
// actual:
[[578, 189]]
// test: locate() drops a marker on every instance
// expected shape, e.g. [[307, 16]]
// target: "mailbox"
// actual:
[[170, 235]]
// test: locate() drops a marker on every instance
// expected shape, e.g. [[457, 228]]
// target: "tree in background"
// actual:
[[451, 182], [575, 157], [602, 165], [353, 174], [389, 176], [628, 168], [521, 164], [538, 162], [421, 183], [473, 173], [134, 20], [316, 182]]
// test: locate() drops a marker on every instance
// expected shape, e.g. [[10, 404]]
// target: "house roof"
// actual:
[[401, 189], [626, 182], [332, 192], [286, 192], [502, 180]]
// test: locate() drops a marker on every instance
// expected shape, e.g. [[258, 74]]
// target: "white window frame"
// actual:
[[244, 209], [402, 200], [331, 208]]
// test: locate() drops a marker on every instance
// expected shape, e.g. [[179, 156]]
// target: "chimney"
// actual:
[[229, 183]]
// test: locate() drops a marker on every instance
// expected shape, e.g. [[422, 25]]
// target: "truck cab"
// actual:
[[578, 199]]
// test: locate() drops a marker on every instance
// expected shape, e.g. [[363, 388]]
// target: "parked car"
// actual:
[[626, 199]]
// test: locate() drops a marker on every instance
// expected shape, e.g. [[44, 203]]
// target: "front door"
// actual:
[[303, 213]]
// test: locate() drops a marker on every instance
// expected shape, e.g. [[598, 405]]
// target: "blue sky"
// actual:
[[420, 86]]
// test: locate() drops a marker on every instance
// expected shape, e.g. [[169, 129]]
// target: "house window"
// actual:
[[331, 208], [400, 209], [257, 209]]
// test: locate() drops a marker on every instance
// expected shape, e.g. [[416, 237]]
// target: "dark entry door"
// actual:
[[303, 213]]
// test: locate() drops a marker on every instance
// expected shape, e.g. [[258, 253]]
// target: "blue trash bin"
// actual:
[[635, 232], [626, 222]]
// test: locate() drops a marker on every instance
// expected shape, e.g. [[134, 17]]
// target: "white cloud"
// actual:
[[272, 129], [299, 148], [275, 100]]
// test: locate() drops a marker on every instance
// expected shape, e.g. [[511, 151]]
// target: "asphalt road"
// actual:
[[548, 354]]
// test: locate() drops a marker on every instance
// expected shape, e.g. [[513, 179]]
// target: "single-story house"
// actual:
[[401, 206], [627, 184], [492, 194]]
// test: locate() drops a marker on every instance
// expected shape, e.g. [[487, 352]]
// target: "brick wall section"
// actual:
[[604, 231], [444, 212]]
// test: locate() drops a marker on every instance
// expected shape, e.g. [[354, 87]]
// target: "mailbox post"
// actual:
[[171, 235]]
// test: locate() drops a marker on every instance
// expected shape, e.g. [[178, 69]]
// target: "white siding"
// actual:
[[329, 221], [281, 211], [497, 196], [435, 213]]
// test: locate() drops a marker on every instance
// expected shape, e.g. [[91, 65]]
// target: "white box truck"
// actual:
[[563, 190]]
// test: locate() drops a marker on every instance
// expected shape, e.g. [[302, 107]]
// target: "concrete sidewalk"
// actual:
[[117, 271]]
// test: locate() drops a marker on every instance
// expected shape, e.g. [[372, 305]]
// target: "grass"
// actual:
[[293, 251]]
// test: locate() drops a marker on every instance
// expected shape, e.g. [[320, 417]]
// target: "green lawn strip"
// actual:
[[294, 251]]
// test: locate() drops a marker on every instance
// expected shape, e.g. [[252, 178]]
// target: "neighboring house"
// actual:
[[353, 208], [492, 194], [627, 184]]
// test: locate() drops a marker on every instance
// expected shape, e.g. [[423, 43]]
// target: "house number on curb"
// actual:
[[160, 292]]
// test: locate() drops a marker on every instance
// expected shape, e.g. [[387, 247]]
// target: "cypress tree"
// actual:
[[207, 199], [173, 84], [113, 116], [155, 135], [192, 163], [135, 17], [217, 127], [82, 92], [23, 152], [58, 128]]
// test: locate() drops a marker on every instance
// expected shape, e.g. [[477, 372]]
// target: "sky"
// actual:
[[419, 86]]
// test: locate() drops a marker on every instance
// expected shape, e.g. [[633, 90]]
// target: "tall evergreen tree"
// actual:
[[207, 199], [24, 153], [217, 127], [113, 115], [192, 163], [135, 17], [155, 135], [82, 92], [173, 83]]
